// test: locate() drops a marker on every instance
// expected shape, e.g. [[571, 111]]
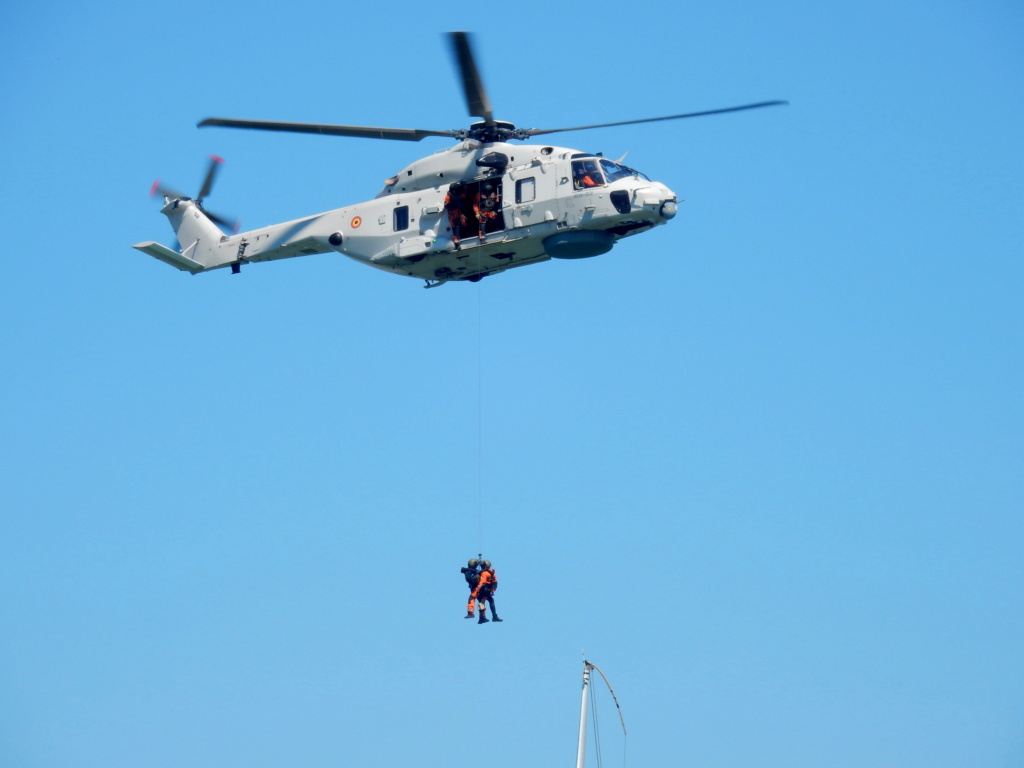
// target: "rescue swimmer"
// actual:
[[483, 583]]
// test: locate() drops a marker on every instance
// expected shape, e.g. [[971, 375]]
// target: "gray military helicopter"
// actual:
[[475, 209]]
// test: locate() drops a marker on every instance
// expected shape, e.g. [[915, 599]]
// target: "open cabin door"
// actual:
[[482, 206]]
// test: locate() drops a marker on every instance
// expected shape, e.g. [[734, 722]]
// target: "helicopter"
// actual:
[[478, 208]]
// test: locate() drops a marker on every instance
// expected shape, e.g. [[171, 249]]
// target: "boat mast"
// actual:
[[581, 748]]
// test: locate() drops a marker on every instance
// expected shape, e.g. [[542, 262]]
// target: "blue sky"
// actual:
[[764, 464]]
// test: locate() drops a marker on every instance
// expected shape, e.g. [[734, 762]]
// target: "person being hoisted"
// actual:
[[453, 204], [472, 574], [484, 592]]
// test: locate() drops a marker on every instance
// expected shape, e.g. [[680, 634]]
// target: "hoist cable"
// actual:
[[479, 423]]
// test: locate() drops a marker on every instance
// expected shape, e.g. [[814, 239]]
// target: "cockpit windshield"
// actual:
[[598, 171], [614, 171]]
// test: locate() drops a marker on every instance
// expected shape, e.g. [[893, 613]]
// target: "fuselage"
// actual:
[[517, 204]]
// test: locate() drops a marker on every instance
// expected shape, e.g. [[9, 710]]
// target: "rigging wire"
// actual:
[[593, 708], [597, 727]]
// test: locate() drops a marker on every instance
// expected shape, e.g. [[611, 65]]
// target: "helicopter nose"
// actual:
[[660, 199]]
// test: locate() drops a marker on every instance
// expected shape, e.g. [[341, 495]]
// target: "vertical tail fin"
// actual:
[[199, 237], [197, 234]]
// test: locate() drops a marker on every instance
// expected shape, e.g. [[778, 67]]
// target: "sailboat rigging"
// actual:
[[581, 748]]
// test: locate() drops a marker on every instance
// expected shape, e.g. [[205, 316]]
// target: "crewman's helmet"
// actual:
[[486, 564], [473, 562]]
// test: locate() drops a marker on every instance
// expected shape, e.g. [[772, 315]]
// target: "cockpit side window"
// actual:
[[586, 174]]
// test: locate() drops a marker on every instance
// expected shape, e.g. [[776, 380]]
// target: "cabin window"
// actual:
[[401, 218], [526, 190]]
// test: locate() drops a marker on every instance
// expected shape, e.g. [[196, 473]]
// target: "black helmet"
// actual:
[[485, 564], [473, 562]]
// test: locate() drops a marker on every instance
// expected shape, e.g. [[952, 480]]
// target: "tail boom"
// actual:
[[205, 247]]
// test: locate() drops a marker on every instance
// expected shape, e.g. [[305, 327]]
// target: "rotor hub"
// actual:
[[489, 133]]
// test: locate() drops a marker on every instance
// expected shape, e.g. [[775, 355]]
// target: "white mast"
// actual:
[[581, 747]]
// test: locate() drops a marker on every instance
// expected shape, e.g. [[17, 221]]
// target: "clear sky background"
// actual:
[[764, 464]]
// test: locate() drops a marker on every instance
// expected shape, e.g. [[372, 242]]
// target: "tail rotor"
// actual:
[[168, 193]]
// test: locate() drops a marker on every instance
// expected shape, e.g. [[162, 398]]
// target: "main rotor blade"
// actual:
[[536, 132], [473, 85], [359, 131]]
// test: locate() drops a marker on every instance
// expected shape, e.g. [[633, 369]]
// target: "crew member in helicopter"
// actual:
[[453, 203], [486, 207], [582, 178], [484, 592], [472, 574]]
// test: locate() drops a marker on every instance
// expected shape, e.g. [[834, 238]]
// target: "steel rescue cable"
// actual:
[[479, 420]]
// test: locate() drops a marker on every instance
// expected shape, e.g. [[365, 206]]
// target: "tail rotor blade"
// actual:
[[173, 194], [160, 189], [230, 225], [215, 163]]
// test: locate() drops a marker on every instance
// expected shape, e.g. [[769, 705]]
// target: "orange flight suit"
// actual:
[[485, 588]]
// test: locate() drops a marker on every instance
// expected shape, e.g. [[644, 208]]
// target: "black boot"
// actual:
[[483, 618], [497, 619], [468, 616]]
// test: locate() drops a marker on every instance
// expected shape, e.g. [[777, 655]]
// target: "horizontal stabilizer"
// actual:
[[169, 256]]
